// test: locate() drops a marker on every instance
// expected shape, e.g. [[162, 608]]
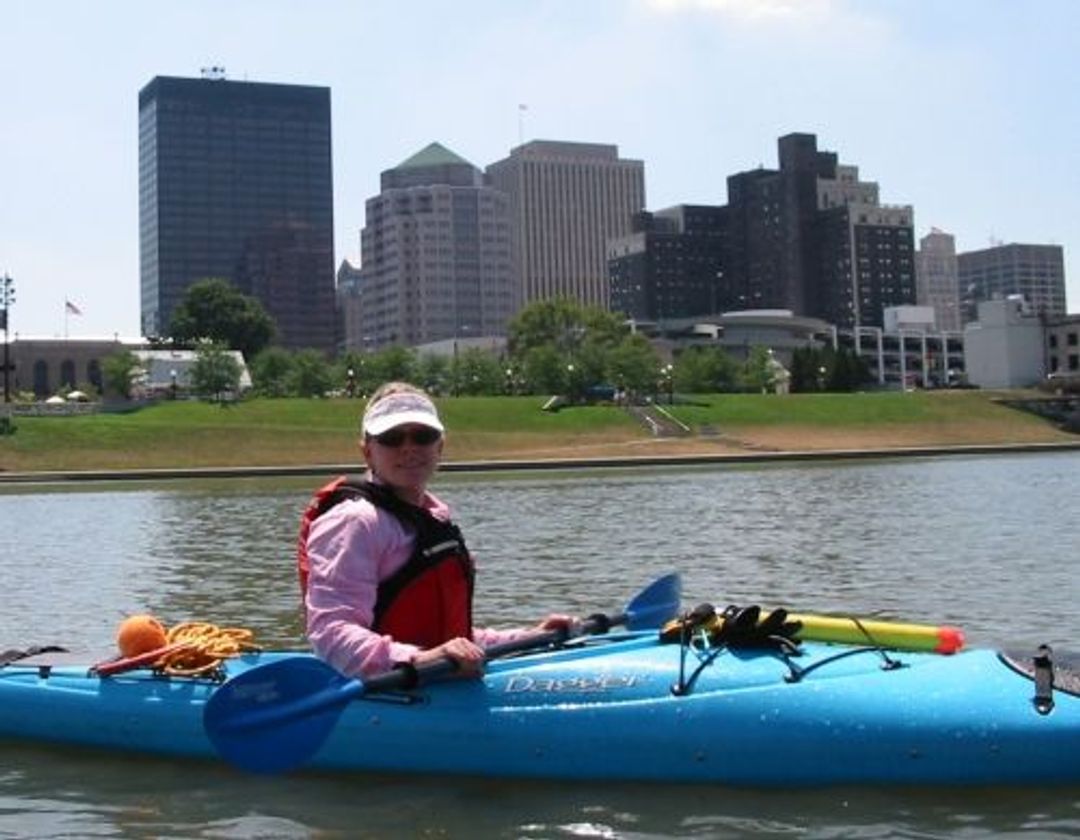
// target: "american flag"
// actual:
[[72, 308]]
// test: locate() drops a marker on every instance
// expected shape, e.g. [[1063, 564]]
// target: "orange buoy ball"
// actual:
[[140, 634]]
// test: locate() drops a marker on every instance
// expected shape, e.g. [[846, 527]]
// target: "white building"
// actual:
[[739, 332], [1005, 346], [169, 371], [909, 319]]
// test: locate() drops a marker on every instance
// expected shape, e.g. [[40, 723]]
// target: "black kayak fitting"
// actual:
[[13, 655], [1047, 673]]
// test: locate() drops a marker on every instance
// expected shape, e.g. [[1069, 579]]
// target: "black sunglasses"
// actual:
[[393, 438]]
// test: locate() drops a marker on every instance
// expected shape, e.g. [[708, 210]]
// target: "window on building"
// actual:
[[1070, 339], [1074, 361], [67, 373], [41, 378], [93, 374]]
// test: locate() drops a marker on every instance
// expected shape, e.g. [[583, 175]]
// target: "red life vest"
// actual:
[[428, 600]]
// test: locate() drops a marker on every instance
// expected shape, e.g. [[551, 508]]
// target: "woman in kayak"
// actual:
[[386, 577]]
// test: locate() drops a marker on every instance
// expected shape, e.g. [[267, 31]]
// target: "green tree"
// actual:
[[118, 371], [474, 371], [393, 364], [214, 309], [564, 324], [311, 374], [757, 371], [364, 375], [802, 378], [543, 370], [215, 372], [433, 373], [848, 371], [632, 365], [811, 368], [271, 372], [704, 370], [561, 341], [590, 364]]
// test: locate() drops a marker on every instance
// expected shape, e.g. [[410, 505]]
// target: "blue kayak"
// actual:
[[618, 706]]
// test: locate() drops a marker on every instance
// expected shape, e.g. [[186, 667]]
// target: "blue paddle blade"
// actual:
[[276, 716], [655, 604]]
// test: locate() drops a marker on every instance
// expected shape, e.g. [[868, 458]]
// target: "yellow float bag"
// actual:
[[889, 634]]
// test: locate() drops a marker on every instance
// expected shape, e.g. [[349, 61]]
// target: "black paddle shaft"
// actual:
[[406, 676]]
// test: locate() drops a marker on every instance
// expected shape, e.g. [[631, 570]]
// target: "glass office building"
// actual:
[[235, 182]]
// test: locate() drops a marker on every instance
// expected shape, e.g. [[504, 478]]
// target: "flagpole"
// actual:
[[69, 309]]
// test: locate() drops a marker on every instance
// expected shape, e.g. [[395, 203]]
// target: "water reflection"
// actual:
[[53, 794]]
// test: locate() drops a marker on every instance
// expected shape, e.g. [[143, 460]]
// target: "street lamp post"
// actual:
[[7, 298], [172, 376], [667, 383]]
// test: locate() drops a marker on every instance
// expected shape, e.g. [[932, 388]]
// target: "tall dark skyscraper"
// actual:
[[774, 249], [235, 182], [811, 237]]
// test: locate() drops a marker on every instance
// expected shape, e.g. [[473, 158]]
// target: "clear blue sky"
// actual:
[[966, 109]]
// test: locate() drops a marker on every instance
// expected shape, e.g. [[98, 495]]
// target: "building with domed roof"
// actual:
[[435, 255]]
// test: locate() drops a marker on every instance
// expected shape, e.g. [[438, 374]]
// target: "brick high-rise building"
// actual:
[[235, 183], [567, 200], [811, 237], [672, 265]]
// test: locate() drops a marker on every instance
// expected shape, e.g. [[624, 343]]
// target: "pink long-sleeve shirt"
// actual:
[[351, 548]]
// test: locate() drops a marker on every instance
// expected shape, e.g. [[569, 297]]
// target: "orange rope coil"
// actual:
[[206, 646]]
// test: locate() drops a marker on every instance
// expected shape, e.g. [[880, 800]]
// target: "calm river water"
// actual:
[[989, 543]]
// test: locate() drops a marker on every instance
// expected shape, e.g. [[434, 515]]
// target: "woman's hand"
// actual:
[[570, 624], [466, 654]]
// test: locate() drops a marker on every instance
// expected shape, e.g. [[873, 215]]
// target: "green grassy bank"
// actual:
[[266, 432]]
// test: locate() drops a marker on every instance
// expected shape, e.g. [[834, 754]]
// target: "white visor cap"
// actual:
[[399, 409]]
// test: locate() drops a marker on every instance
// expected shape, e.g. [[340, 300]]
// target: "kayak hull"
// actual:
[[617, 709]]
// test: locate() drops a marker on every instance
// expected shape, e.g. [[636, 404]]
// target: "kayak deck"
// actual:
[[606, 708]]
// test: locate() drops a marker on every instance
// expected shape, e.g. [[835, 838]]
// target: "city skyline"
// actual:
[[939, 101]]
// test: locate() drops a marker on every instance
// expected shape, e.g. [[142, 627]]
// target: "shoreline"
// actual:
[[546, 464]]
